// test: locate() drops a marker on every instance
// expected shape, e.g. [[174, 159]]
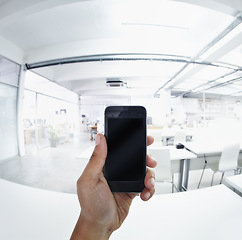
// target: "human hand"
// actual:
[[103, 211]]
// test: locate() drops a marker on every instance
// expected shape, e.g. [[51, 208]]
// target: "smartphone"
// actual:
[[125, 132]]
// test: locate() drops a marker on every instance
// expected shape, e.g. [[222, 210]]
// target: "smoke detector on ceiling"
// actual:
[[115, 83]]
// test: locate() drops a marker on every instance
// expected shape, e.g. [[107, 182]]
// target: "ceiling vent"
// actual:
[[114, 83]]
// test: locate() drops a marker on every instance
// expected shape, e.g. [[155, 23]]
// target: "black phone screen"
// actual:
[[125, 130]]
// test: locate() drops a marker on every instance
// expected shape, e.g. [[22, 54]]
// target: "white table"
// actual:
[[208, 148], [212, 150], [209, 151], [235, 182], [28, 213], [210, 213]]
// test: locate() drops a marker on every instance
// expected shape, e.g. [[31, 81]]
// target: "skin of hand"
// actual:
[[103, 211]]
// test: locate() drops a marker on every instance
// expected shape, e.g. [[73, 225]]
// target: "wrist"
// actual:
[[87, 230]]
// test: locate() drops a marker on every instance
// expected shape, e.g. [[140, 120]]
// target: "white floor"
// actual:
[[54, 169]]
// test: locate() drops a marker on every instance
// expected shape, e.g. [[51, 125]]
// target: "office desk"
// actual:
[[209, 150], [210, 213], [235, 182]]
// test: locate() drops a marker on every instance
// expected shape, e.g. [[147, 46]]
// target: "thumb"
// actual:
[[97, 160]]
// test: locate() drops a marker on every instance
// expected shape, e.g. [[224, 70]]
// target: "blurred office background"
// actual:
[[62, 63]]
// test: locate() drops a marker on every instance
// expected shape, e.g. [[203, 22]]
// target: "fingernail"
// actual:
[[97, 140], [147, 195]]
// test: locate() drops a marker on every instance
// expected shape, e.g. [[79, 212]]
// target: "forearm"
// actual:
[[85, 230]]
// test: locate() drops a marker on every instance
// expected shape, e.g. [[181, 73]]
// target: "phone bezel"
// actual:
[[126, 112]]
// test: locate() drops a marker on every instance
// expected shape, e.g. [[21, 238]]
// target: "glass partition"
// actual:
[[50, 113], [8, 122]]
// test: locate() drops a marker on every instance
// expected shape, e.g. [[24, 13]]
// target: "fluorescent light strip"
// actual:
[[154, 25], [210, 47]]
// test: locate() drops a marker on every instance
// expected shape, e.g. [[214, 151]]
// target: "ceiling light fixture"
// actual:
[[115, 82]]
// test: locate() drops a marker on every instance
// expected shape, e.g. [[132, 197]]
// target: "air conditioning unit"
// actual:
[[114, 83]]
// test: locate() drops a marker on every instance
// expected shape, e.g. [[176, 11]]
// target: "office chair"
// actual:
[[227, 162], [162, 171], [239, 167]]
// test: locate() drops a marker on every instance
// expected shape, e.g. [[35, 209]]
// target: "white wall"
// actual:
[[157, 108], [93, 107], [11, 51]]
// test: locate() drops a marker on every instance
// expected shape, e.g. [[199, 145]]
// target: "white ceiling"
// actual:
[[149, 44]]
